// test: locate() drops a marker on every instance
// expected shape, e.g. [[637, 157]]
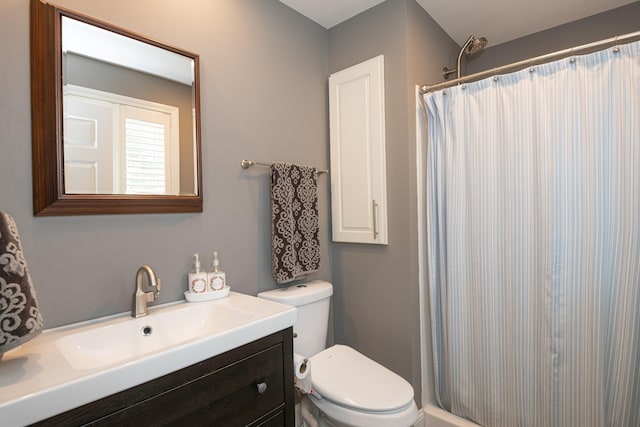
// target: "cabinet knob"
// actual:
[[262, 387]]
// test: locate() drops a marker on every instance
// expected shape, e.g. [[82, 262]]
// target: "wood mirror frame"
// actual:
[[49, 198]]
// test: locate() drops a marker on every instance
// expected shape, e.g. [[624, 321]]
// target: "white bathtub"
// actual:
[[436, 417]]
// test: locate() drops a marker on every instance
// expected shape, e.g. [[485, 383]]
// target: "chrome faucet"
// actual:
[[140, 297]]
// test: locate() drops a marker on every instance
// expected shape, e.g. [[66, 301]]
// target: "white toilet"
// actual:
[[351, 389]]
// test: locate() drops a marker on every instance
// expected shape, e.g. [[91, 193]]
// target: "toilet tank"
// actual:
[[312, 302]]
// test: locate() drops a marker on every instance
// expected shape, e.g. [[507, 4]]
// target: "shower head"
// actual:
[[476, 45], [472, 46]]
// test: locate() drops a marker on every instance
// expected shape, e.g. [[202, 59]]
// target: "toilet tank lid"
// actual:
[[300, 294]]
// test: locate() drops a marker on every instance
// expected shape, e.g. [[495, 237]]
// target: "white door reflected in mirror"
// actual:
[[88, 160]]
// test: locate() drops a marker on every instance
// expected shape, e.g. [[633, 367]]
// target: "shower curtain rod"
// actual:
[[246, 164], [531, 61]]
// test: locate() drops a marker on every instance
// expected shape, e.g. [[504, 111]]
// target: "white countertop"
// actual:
[[37, 381]]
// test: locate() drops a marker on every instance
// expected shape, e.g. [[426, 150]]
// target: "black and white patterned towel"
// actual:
[[295, 242], [20, 319]]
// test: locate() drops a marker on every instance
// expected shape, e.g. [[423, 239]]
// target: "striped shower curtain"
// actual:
[[533, 243]]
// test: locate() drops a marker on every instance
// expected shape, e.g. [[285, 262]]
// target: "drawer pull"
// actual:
[[262, 387]]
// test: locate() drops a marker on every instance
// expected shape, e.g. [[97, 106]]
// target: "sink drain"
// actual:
[[146, 330]]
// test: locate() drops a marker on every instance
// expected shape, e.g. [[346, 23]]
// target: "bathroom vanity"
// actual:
[[248, 386], [226, 362]]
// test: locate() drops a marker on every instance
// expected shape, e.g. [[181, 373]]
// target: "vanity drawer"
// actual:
[[226, 397]]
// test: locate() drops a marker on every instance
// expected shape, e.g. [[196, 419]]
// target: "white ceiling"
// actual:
[[107, 46], [497, 20]]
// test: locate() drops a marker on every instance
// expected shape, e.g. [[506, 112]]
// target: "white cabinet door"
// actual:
[[358, 167]]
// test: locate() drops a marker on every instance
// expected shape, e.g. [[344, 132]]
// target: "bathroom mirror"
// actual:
[[115, 119]]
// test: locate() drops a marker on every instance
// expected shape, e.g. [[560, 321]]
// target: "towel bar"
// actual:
[[246, 164]]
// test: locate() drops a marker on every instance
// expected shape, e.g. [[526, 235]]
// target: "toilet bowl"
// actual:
[[350, 390]]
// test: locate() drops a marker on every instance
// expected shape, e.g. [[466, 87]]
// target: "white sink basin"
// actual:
[[106, 343], [73, 365]]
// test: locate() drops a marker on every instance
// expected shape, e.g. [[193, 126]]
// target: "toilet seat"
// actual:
[[342, 416], [349, 379]]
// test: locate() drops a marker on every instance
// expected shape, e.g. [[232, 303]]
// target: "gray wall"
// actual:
[[428, 45], [264, 97], [264, 75], [376, 308], [372, 303], [623, 20]]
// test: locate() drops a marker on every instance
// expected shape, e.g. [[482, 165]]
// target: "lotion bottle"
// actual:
[[217, 278], [197, 278]]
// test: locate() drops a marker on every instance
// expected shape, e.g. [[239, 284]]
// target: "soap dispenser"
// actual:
[[217, 278], [197, 278]]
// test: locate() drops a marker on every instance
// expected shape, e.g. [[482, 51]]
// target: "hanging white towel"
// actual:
[[20, 319], [294, 221]]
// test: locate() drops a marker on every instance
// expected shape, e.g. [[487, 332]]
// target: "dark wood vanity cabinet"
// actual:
[[249, 386]]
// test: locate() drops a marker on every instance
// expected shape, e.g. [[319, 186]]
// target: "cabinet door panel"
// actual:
[[358, 165]]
